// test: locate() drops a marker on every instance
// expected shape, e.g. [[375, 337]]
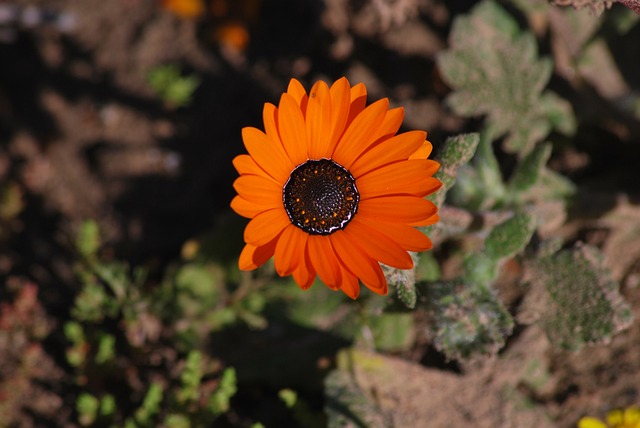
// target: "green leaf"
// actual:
[[288, 397], [577, 298], [11, 201], [529, 169], [559, 113], [88, 239], [551, 186], [199, 285], [510, 237], [87, 406], [168, 83], [469, 320], [176, 420], [191, 377], [480, 185], [74, 332], [108, 405], [479, 268], [428, 268], [77, 353], [227, 388], [457, 151], [404, 281], [106, 349], [93, 303], [494, 69], [150, 405], [393, 332]]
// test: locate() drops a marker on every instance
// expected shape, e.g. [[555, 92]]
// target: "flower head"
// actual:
[[627, 418], [332, 190]]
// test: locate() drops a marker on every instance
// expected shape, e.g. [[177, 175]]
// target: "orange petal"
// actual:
[[378, 246], [258, 189], [340, 102], [412, 177], [251, 256], [318, 120], [355, 260], [397, 209], [266, 226], [290, 250], [269, 155], [360, 133], [324, 260], [409, 238], [304, 274], [423, 152], [391, 123], [427, 221], [357, 102], [245, 164], [350, 284], [296, 90], [391, 150], [249, 209], [387, 129], [270, 119], [293, 130]]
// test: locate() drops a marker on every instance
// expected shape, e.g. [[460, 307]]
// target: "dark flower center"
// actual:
[[320, 197]]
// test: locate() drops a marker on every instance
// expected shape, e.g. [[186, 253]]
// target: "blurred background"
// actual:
[[121, 302]]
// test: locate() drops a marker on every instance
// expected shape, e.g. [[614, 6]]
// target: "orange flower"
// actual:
[[332, 190], [187, 9]]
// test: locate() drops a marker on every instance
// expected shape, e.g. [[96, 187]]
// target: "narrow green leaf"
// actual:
[[150, 405], [479, 184], [227, 388], [191, 377], [559, 113], [510, 237], [106, 349], [403, 280], [529, 169], [88, 239], [457, 151]]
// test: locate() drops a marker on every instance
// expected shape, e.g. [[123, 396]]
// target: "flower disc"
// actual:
[[320, 197]]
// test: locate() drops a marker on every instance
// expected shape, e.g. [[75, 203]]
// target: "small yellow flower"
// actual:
[[589, 422], [627, 418]]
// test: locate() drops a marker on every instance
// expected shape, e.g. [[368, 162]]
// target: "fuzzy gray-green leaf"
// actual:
[[480, 185], [510, 237], [469, 320], [529, 169], [404, 281], [579, 300], [495, 71], [457, 151]]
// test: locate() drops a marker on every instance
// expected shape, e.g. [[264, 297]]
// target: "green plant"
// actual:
[[192, 294], [171, 86], [575, 298]]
